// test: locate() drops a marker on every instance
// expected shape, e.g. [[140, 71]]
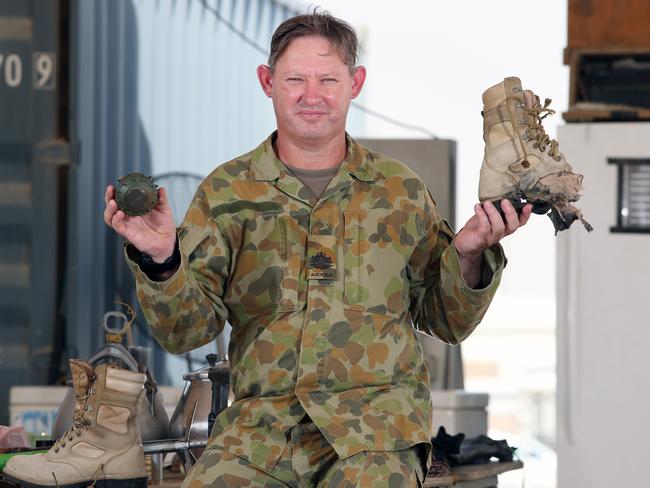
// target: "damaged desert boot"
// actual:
[[521, 162], [102, 447]]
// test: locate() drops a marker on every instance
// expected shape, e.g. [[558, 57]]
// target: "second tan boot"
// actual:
[[522, 163], [103, 446]]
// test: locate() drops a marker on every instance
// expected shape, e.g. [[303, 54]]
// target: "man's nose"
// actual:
[[312, 94]]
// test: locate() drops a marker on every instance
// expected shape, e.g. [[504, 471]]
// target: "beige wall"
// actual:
[[434, 160]]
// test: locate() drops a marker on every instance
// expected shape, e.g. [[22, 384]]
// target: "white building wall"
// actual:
[[603, 321]]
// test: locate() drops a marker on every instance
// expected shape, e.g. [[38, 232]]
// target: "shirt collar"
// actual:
[[265, 165]]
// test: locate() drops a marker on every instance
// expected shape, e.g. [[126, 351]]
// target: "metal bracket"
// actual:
[[55, 152]]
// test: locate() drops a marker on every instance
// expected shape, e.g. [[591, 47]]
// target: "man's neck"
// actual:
[[311, 154]]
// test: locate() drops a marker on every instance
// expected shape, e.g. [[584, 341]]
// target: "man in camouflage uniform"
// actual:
[[322, 290]]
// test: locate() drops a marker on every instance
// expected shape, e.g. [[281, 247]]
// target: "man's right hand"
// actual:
[[153, 233]]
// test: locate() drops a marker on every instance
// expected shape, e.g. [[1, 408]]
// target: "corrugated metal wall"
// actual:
[[158, 86], [33, 158], [199, 97]]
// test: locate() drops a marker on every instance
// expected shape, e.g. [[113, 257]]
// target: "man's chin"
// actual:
[[314, 133]]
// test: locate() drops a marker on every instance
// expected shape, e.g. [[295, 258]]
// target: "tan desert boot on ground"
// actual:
[[103, 446], [521, 162]]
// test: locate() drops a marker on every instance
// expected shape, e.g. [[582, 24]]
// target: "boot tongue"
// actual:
[[531, 99], [497, 94], [82, 375]]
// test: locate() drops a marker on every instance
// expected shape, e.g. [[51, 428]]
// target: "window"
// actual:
[[633, 213]]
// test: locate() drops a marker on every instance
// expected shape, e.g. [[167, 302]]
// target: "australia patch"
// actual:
[[321, 261], [321, 257]]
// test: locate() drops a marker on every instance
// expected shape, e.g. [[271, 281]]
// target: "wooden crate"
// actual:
[[612, 28], [592, 113], [583, 108], [606, 24]]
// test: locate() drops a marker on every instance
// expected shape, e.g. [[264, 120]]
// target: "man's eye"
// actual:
[[294, 79], [329, 80]]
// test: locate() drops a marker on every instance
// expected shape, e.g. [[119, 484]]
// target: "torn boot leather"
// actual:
[[522, 163]]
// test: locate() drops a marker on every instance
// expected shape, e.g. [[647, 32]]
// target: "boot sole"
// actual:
[[516, 203], [539, 207], [100, 483]]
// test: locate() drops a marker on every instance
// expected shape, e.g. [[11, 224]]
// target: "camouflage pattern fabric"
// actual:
[[322, 295], [309, 460]]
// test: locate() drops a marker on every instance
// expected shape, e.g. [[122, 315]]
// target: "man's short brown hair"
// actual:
[[340, 34]]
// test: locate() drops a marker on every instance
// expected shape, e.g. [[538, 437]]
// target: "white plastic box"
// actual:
[[460, 411], [35, 407]]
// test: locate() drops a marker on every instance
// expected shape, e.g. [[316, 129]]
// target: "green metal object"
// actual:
[[136, 194], [6, 457]]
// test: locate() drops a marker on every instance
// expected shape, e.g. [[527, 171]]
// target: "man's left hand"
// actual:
[[484, 229]]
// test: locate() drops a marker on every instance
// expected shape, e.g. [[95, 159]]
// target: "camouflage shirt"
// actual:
[[322, 295]]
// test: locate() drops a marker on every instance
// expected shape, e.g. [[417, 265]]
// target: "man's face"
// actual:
[[311, 88]]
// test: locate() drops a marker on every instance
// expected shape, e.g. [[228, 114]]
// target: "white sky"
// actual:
[[428, 64]]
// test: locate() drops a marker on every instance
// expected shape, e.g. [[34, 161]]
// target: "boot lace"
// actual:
[[536, 129], [79, 423]]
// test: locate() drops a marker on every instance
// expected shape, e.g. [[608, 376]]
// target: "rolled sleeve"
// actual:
[[442, 303]]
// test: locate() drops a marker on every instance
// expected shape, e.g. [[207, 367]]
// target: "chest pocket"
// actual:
[[267, 269], [377, 245]]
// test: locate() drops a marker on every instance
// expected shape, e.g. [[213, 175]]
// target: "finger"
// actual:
[[118, 222], [510, 214], [163, 203], [497, 225], [483, 220], [525, 214], [108, 194], [109, 212], [162, 197]]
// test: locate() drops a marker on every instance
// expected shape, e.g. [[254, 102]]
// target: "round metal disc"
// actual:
[[136, 194]]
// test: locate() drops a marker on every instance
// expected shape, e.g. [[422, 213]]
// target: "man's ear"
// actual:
[[358, 80], [266, 79]]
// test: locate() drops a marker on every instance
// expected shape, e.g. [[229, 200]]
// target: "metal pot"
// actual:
[[152, 418], [205, 394]]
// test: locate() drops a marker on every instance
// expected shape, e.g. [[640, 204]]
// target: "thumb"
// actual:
[[162, 197], [163, 202]]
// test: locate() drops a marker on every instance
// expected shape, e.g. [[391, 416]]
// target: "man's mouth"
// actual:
[[311, 113]]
